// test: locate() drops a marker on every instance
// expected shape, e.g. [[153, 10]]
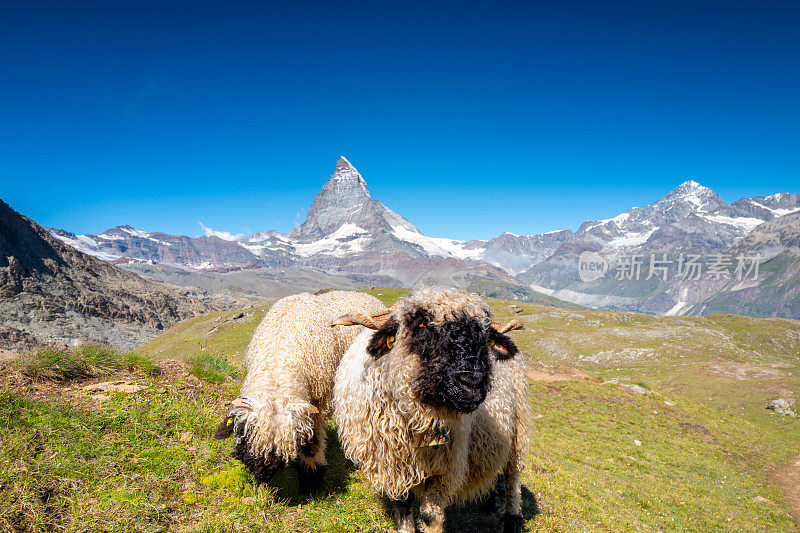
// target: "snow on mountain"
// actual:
[[181, 251], [693, 195], [776, 290], [83, 243], [437, 246], [348, 239], [345, 220], [745, 224], [690, 219], [767, 207]]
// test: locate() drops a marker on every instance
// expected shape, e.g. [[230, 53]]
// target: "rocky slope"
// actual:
[[776, 290], [53, 293]]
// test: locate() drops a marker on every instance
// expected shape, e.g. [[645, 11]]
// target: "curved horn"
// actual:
[[374, 321], [510, 326]]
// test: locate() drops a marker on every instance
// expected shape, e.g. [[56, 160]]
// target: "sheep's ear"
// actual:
[[501, 345], [382, 340]]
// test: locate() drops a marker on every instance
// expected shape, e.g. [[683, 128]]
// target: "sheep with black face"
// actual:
[[278, 418], [433, 404]]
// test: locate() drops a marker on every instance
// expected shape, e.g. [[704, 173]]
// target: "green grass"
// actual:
[[124, 466], [697, 468], [701, 463], [220, 333], [212, 369], [81, 362], [386, 295]]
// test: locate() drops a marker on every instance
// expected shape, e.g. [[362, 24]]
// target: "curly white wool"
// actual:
[[291, 362]]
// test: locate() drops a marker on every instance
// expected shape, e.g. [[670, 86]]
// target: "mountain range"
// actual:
[[351, 237]]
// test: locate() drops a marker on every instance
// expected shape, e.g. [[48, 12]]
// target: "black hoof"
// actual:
[[512, 523], [310, 481]]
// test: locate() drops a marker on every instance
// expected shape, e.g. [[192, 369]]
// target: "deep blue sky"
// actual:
[[469, 119]]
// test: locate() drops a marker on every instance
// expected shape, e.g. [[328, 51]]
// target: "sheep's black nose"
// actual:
[[471, 379]]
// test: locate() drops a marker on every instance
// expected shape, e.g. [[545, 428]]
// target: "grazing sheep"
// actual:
[[434, 404], [285, 397]]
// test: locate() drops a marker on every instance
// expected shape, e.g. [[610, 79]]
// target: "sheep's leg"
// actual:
[[312, 466], [313, 455], [512, 511], [431, 509], [404, 515], [488, 504]]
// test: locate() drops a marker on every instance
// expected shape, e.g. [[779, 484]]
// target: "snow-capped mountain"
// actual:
[[689, 220], [767, 207], [776, 292], [635, 226], [186, 252], [344, 207], [347, 232], [345, 221]]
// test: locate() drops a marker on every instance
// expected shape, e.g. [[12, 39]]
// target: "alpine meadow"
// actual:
[[378, 268]]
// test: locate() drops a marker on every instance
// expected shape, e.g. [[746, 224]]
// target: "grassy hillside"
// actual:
[[696, 452]]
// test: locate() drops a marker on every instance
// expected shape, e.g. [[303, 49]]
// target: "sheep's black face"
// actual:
[[455, 360], [455, 364], [455, 357], [262, 467]]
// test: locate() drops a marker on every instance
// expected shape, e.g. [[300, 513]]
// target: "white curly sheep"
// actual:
[[434, 404], [285, 397]]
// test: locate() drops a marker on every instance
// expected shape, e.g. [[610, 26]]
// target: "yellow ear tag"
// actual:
[[491, 342], [389, 342], [230, 421]]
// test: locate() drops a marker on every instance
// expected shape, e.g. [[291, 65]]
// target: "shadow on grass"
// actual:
[[485, 516], [482, 517], [337, 476]]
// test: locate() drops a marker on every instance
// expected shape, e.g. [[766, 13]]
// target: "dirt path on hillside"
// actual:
[[788, 477]]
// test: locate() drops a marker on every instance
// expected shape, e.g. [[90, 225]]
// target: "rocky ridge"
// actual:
[[51, 293]]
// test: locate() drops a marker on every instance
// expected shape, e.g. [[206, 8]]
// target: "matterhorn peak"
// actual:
[[345, 199], [347, 180], [344, 165]]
